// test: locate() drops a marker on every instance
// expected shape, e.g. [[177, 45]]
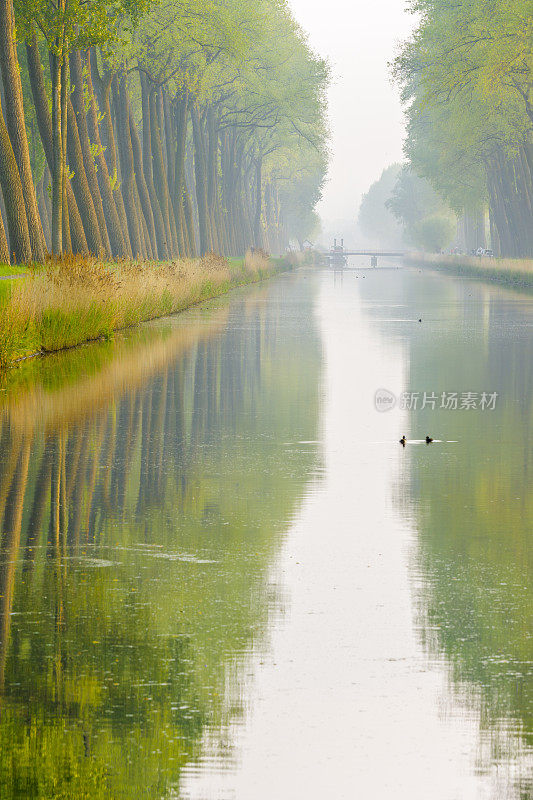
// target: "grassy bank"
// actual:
[[76, 300], [511, 271]]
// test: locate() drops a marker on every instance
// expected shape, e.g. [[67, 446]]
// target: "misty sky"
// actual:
[[359, 38]]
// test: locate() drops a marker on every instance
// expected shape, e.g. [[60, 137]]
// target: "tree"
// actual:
[[376, 219], [427, 220], [167, 124], [468, 85], [16, 130], [67, 25]]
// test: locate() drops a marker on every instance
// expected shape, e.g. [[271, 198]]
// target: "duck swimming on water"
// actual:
[[428, 439], [403, 440]]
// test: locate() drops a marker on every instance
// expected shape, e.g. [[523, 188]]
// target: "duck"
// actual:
[[403, 440], [428, 439]]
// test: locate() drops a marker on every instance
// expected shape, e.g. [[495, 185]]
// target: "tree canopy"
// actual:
[[467, 82], [161, 128]]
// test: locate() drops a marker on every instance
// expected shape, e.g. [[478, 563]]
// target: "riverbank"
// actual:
[[77, 300], [510, 271]]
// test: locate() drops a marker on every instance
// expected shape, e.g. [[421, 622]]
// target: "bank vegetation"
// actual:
[[516, 272], [75, 300]]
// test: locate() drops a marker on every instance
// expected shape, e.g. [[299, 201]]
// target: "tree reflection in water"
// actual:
[[144, 488], [472, 501]]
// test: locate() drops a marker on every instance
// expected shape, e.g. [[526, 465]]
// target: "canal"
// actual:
[[223, 578]]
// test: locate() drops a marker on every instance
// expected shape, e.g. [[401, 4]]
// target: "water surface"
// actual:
[[222, 577]]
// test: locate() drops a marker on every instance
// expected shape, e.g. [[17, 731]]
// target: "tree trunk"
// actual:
[[4, 248], [67, 243], [57, 159], [44, 122], [201, 185], [500, 220], [258, 239], [78, 105], [16, 126], [159, 172], [169, 139], [212, 179], [494, 238], [107, 135], [142, 188], [147, 246], [161, 237], [128, 178], [181, 115], [17, 222], [119, 200], [80, 185], [43, 210], [189, 221], [116, 236]]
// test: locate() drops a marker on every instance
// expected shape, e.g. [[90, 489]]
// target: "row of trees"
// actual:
[[157, 129], [403, 209], [467, 79]]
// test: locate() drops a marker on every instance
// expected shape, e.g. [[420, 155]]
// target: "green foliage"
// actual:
[[376, 219], [402, 207], [434, 232], [467, 79], [412, 198], [246, 68], [249, 64], [76, 24], [428, 221]]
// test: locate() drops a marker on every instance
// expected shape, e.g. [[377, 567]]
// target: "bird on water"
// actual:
[[428, 439]]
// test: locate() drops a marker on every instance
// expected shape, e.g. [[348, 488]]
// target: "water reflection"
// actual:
[[144, 487], [221, 576], [363, 690], [473, 504], [469, 501]]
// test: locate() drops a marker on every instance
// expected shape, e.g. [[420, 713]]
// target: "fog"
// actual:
[[365, 115]]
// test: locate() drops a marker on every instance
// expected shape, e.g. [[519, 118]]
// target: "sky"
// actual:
[[359, 39]]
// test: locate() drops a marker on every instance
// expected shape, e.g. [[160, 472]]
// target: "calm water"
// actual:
[[222, 577]]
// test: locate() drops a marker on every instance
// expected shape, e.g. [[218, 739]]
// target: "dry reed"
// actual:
[[256, 260], [75, 300], [517, 271]]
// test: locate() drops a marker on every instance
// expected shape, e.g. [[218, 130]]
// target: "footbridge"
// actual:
[[338, 255]]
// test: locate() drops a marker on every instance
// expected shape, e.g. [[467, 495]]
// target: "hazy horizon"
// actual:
[[365, 115]]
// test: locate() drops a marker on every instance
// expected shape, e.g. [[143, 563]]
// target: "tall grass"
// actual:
[[74, 300], [514, 271]]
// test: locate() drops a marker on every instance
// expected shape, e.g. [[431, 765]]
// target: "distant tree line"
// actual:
[[467, 80], [159, 129], [403, 209]]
